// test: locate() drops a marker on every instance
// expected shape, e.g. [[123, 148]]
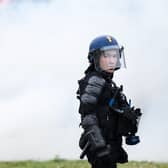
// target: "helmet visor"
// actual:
[[113, 58]]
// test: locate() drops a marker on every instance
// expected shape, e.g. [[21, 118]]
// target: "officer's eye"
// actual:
[[105, 55], [109, 55]]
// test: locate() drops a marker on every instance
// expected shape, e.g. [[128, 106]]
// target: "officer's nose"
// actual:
[[111, 60]]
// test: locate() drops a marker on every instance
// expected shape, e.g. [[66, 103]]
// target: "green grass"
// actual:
[[61, 163]]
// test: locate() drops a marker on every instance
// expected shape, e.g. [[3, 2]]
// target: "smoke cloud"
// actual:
[[43, 48]]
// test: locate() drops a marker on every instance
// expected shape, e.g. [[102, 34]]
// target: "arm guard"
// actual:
[[92, 133], [90, 89], [91, 139]]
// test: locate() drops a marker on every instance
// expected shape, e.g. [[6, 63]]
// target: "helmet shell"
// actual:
[[101, 42]]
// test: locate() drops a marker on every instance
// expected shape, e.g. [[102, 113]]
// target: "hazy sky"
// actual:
[[43, 52]]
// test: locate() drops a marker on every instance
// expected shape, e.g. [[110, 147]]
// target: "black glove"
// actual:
[[92, 138], [98, 147], [130, 114]]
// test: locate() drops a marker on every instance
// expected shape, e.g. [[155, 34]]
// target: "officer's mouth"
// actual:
[[111, 69]]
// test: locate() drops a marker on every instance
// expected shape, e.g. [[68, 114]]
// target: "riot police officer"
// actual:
[[106, 115]]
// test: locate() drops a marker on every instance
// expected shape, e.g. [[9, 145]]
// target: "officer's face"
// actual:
[[108, 60]]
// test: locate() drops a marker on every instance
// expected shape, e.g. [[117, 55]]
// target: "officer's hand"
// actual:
[[130, 113], [138, 112]]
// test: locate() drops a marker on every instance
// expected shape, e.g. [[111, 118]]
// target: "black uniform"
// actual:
[[100, 122]]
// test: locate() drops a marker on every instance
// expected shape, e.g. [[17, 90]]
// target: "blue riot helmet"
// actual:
[[105, 45]]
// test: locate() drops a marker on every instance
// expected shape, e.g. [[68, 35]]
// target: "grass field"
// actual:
[[60, 163]]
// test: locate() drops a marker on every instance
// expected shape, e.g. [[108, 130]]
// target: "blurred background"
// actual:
[[43, 52]]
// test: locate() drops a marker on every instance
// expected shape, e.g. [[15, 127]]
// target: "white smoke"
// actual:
[[43, 48]]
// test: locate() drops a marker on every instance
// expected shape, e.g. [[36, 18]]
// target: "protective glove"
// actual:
[[130, 114], [92, 138]]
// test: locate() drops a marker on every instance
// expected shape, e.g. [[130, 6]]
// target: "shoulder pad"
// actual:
[[93, 89]]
